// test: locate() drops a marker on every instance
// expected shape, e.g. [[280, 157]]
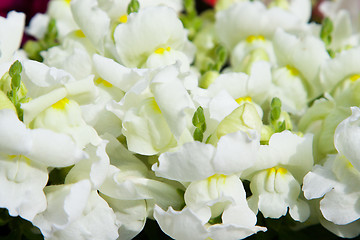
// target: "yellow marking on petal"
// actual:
[[103, 82], [68, 1], [150, 102], [354, 77], [61, 104], [253, 38], [293, 71], [282, 171], [243, 99], [79, 34], [123, 19], [271, 171], [160, 50], [349, 164]]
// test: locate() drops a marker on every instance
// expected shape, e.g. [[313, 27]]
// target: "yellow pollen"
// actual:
[[123, 19], [243, 99], [281, 171], [162, 50], [103, 82], [79, 34], [61, 104], [354, 77], [253, 38], [293, 71]]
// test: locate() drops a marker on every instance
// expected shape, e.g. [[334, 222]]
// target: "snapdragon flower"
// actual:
[[26, 154], [333, 181], [276, 177], [215, 198]]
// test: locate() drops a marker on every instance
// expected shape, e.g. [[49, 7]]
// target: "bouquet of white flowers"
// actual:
[[239, 121]]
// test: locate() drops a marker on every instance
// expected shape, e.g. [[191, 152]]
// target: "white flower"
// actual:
[[93, 21], [234, 153], [11, 31], [246, 19], [277, 175], [303, 56], [128, 178], [65, 204], [153, 37], [152, 123], [216, 194], [331, 8], [25, 156], [131, 214], [97, 221]]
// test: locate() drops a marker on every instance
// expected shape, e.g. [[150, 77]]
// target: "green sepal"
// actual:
[[16, 68], [198, 135], [198, 119], [133, 6], [326, 30]]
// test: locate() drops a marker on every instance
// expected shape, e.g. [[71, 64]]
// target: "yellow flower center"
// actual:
[[293, 71], [68, 1], [61, 104], [354, 77], [253, 38], [103, 82], [123, 19], [162, 50], [243, 99]]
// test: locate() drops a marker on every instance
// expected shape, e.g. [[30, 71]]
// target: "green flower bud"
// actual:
[[16, 68], [207, 79], [326, 30], [243, 118], [133, 6]]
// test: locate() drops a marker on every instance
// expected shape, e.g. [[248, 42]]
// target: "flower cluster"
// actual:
[[122, 111]]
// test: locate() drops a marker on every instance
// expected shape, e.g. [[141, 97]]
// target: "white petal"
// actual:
[[14, 137], [98, 221], [93, 21], [347, 138], [131, 214], [11, 31], [115, 73], [300, 211], [190, 163], [65, 204], [94, 168], [54, 149], [22, 182], [180, 225], [318, 182], [236, 152], [167, 86], [340, 207]]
